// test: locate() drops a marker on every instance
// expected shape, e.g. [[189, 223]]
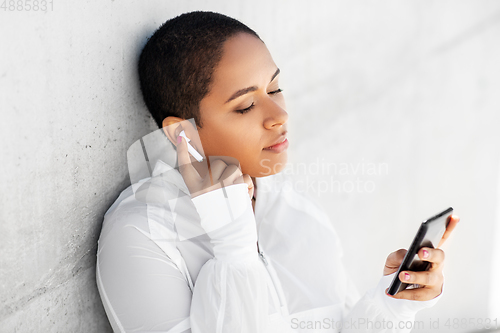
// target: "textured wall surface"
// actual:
[[395, 103]]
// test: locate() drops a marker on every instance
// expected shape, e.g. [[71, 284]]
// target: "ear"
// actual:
[[172, 128]]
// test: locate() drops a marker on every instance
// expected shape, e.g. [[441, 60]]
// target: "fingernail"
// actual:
[[407, 277], [425, 254], [179, 139]]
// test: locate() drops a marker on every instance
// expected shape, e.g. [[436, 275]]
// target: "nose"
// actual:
[[275, 114]]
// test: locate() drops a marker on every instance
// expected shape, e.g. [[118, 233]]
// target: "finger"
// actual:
[[417, 294], [186, 168], [217, 168], [395, 258], [435, 256], [225, 169], [248, 180], [230, 174], [393, 261], [454, 219], [425, 278]]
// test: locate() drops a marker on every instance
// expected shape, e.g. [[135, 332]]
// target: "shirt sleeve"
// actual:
[[377, 312], [141, 289], [231, 292]]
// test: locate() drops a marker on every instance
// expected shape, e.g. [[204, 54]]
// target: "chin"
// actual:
[[268, 167]]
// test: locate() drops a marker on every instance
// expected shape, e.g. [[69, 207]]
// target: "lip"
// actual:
[[279, 140], [279, 147]]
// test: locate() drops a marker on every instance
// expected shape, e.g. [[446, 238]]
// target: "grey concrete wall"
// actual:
[[410, 86]]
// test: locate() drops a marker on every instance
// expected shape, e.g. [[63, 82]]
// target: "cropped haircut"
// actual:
[[177, 63]]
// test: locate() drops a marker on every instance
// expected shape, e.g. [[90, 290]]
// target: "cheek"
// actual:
[[205, 142], [244, 145], [226, 143], [248, 156]]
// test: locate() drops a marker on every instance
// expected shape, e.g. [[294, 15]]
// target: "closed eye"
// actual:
[[242, 111], [246, 110]]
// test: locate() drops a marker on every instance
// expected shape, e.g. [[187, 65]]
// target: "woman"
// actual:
[[184, 249]]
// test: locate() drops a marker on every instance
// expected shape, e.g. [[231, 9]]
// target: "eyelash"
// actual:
[[251, 106]]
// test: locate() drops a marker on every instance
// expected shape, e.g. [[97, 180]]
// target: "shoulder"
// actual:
[[137, 206], [126, 204], [125, 213], [151, 206]]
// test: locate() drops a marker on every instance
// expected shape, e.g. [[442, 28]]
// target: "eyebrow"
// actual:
[[249, 89]]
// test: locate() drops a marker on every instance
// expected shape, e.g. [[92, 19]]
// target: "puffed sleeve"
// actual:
[[141, 289], [231, 291]]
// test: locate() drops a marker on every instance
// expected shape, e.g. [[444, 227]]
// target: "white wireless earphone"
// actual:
[[191, 150]]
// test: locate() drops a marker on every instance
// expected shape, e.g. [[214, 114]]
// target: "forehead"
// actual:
[[245, 62]]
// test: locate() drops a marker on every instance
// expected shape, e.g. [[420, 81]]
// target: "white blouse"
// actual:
[[169, 263]]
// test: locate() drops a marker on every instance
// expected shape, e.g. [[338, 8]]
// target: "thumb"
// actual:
[[393, 261]]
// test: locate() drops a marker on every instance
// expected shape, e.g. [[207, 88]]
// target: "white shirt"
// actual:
[[169, 263]]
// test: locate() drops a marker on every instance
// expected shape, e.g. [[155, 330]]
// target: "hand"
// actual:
[[431, 281], [223, 171]]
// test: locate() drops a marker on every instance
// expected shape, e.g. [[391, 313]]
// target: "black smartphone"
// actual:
[[428, 235]]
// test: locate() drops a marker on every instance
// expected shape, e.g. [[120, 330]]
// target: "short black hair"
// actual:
[[178, 60]]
